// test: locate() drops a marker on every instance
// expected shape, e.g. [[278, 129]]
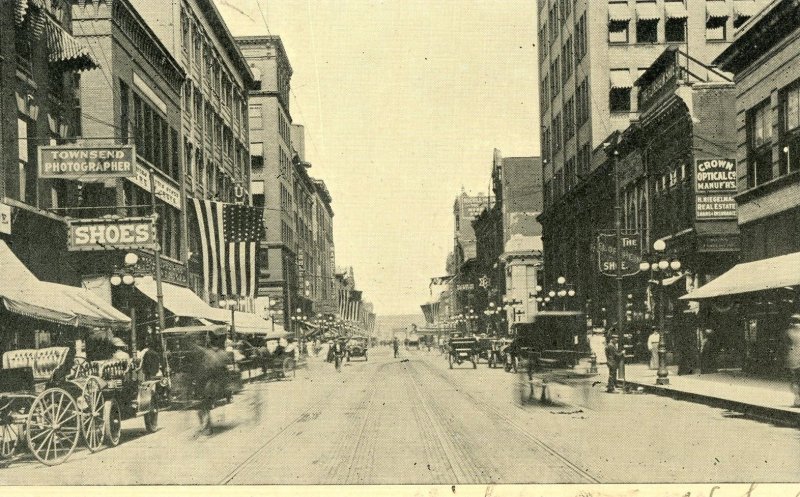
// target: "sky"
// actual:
[[403, 103]]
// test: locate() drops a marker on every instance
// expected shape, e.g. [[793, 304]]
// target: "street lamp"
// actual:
[[661, 262], [125, 276]]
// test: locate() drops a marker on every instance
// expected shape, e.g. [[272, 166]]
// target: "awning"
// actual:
[[22, 293], [676, 10], [717, 14], [756, 276], [647, 11], [178, 300], [63, 48], [618, 12], [621, 79], [745, 8], [246, 323]]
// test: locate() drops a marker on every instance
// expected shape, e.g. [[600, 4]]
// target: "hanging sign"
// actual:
[[5, 219], [607, 254], [86, 162], [164, 190], [714, 187], [110, 234]]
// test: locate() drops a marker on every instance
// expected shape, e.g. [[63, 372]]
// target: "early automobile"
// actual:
[[555, 339], [461, 350], [357, 346]]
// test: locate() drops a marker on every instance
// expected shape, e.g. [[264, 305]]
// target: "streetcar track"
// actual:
[[492, 411]]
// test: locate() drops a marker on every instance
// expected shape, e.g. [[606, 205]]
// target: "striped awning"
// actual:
[[63, 48], [676, 10], [618, 12], [647, 11]]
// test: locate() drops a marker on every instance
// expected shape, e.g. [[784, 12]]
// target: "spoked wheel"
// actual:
[[53, 426], [92, 415], [9, 435], [151, 421], [112, 422], [288, 368]]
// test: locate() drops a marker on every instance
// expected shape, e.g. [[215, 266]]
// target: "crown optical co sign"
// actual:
[[85, 162]]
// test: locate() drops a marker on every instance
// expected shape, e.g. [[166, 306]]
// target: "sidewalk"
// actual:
[[735, 391]]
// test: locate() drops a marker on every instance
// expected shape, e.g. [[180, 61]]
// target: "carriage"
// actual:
[[266, 352], [357, 347], [461, 350], [555, 340]]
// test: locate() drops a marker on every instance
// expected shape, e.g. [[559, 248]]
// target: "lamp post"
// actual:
[[230, 304], [665, 264], [126, 276]]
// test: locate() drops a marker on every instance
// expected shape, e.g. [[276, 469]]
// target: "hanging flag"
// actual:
[[344, 297], [229, 236]]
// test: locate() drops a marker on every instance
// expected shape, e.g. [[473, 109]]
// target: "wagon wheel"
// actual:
[[53, 426], [288, 367], [92, 418], [112, 422], [81, 368], [9, 435]]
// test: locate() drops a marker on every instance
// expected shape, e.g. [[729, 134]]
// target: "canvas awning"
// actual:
[[717, 14], [647, 11], [676, 10], [23, 293], [178, 300], [745, 8], [621, 79], [246, 322], [618, 12], [756, 276]]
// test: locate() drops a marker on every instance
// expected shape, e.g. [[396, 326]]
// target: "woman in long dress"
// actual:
[[652, 343]]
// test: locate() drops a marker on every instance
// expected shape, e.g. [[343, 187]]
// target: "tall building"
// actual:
[[214, 139], [587, 68]]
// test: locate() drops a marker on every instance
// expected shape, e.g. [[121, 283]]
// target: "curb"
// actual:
[[759, 413]]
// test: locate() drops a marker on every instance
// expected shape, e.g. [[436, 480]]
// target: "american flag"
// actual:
[[229, 236]]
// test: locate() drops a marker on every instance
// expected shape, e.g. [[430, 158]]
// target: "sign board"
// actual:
[[607, 254], [164, 190], [714, 187], [86, 162], [5, 219], [465, 286], [110, 234]]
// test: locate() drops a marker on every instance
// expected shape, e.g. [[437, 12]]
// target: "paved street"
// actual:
[[412, 420]]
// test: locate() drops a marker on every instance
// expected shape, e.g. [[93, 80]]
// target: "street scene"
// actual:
[[401, 242]]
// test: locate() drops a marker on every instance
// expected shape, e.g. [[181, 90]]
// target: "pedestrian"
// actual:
[[653, 342], [793, 355], [396, 345], [613, 356]]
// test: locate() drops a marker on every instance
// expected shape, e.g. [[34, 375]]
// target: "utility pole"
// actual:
[[618, 262], [157, 256]]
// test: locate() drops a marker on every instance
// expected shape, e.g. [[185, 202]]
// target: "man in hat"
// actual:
[[613, 356]]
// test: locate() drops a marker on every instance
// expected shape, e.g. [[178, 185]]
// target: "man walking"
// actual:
[[612, 361]]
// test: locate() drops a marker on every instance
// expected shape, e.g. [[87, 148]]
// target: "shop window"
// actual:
[[618, 31], [647, 31], [675, 30], [759, 145]]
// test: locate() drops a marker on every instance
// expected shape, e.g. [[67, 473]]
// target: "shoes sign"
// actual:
[[111, 234], [607, 254]]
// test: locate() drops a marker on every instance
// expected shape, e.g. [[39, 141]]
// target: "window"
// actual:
[[257, 156], [739, 20], [555, 72], [584, 159], [580, 38], [256, 118], [569, 174], [569, 119], [582, 103], [716, 21], [759, 145], [545, 96], [566, 59], [620, 94], [556, 133], [790, 129], [618, 31], [124, 114], [675, 30], [647, 31]]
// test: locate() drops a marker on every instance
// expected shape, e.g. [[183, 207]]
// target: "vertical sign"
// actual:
[[714, 188], [5, 219]]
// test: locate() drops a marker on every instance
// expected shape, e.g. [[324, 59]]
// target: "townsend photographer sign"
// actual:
[[111, 234], [85, 162]]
